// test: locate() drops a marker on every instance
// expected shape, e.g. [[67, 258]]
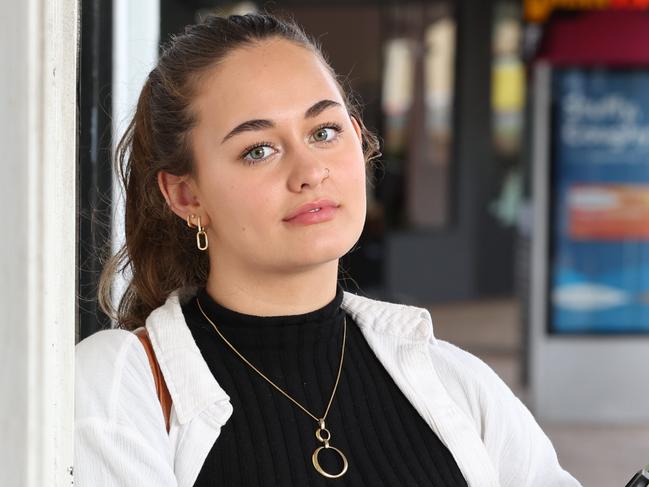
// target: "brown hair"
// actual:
[[160, 250]]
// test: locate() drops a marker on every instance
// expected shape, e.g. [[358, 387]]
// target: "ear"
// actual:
[[181, 194], [357, 128]]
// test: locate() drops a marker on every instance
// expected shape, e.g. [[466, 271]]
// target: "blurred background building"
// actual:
[[511, 199]]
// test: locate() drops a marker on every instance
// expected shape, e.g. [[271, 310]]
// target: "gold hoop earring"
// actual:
[[201, 237]]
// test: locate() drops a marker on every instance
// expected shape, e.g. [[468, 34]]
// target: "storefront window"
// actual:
[[417, 106], [508, 79], [508, 87]]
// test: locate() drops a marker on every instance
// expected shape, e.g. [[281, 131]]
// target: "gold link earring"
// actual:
[[201, 237]]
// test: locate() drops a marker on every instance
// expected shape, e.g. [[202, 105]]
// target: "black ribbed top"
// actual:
[[268, 441]]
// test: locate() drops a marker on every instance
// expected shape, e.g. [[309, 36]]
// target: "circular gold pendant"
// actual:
[[317, 466], [325, 440]]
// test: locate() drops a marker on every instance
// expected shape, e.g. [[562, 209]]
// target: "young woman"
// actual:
[[244, 168]]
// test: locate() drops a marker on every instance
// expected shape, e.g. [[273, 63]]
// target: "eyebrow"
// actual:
[[260, 124]]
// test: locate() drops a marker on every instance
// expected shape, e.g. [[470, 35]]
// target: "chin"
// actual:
[[322, 256], [321, 252], [325, 244]]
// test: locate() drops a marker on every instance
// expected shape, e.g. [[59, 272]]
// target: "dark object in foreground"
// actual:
[[641, 479]]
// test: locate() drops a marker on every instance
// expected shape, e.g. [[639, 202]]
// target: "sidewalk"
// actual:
[[596, 454]]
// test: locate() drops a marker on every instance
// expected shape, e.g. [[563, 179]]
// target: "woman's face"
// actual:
[[273, 135]]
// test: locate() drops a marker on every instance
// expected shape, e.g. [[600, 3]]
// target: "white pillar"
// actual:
[[38, 42]]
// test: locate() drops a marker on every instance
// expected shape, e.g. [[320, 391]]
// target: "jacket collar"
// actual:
[[402, 322], [193, 387]]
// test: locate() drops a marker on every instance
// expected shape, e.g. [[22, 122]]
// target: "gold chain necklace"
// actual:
[[322, 430]]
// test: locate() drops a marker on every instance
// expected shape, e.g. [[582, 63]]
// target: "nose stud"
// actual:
[[327, 174]]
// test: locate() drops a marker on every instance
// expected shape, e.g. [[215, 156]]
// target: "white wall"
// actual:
[[38, 42]]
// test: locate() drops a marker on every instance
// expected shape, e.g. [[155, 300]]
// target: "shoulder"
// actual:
[[524, 455], [464, 366], [471, 382], [111, 372], [521, 452], [119, 431], [106, 353], [114, 342]]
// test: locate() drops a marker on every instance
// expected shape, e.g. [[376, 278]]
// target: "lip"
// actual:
[[323, 204]]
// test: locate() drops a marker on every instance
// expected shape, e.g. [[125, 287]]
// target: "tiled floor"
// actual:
[[597, 455]]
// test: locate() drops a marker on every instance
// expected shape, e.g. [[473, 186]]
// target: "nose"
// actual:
[[307, 172]]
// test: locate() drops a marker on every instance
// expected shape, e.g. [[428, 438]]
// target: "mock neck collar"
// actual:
[[259, 334], [228, 318]]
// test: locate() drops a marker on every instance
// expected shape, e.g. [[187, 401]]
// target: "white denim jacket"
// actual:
[[121, 438]]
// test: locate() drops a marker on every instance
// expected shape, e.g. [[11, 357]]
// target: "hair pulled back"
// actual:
[[160, 250]]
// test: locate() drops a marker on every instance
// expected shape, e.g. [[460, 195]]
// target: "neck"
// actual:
[[272, 293]]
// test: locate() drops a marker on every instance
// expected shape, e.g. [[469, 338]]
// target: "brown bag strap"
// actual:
[[160, 386]]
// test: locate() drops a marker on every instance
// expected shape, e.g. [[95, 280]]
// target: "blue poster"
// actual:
[[599, 220]]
